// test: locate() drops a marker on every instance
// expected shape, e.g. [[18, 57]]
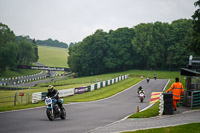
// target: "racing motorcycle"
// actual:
[[53, 110], [141, 96], [148, 79]]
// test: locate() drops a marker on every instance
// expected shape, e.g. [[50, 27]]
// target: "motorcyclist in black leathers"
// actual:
[[53, 93], [140, 90]]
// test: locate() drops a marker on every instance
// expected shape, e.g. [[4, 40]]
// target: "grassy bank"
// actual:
[[186, 128], [22, 72], [52, 56]]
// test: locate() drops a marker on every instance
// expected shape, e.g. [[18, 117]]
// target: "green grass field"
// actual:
[[9, 73], [52, 56]]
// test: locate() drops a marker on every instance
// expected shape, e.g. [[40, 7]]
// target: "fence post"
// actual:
[[28, 97], [15, 99], [192, 95]]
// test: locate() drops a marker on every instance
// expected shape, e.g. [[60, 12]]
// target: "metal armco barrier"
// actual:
[[22, 79], [195, 98]]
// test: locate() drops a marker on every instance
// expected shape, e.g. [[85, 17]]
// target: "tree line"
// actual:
[[15, 50], [146, 46], [52, 43], [49, 42]]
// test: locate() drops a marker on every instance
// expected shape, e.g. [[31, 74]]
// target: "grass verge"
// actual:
[[186, 128], [151, 112], [22, 72]]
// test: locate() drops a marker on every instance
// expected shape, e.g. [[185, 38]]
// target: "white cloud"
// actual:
[[73, 20]]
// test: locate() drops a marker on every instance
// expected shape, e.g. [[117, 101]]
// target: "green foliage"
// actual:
[[52, 43], [195, 42], [85, 58], [119, 52], [26, 53], [8, 48], [146, 46], [180, 36], [15, 50]]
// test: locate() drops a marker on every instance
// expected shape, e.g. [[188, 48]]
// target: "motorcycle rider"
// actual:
[[148, 79], [155, 76], [53, 93], [140, 90]]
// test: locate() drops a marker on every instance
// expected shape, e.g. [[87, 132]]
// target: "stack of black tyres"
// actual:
[[168, 104]]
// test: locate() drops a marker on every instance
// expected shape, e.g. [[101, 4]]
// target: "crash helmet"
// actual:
[[140, 88], [50, 87]]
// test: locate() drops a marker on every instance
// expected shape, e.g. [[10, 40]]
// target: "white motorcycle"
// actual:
[[141, 96], [53, 110]]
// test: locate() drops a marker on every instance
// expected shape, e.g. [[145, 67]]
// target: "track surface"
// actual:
[[81, 117]]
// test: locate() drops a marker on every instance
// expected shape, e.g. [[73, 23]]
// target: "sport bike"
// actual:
[[141, 97], [53, 110]]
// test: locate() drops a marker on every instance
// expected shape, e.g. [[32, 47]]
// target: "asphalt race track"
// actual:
[[81, 117]]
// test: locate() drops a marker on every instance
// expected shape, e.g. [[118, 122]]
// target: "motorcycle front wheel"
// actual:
[[50, 114], [63, 113]]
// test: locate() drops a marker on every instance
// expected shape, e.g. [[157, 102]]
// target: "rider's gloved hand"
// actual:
[[44, 98]]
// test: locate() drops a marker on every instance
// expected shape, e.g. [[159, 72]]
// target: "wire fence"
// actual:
[[18, 98]]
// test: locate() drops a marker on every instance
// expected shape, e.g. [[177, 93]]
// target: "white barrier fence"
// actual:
[[36, 97]]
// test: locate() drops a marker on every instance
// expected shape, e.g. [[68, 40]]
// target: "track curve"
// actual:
[[81, 117]]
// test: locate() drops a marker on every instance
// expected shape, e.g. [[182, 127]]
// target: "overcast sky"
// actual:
[[73, 20]]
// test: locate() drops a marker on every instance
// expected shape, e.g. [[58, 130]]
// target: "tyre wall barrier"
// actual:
[[38, 96], [166, 104], [161, 105]]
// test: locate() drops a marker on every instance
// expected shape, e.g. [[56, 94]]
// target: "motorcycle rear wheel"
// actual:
[[50, 114], [63, 113]]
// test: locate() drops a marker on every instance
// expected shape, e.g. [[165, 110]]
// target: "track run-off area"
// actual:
[[81, 117]]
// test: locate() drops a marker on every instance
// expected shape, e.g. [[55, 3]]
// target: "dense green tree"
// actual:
[[35, 50], [26, 53], [180, 37], [195, 41], [119, 54], [160, 44], [75, 57], [87, 57], [142, 45], [8, 48], [152, 45], [52, 43]]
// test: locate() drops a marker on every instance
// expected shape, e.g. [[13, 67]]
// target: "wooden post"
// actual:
[[15, 99], [138, 109]]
